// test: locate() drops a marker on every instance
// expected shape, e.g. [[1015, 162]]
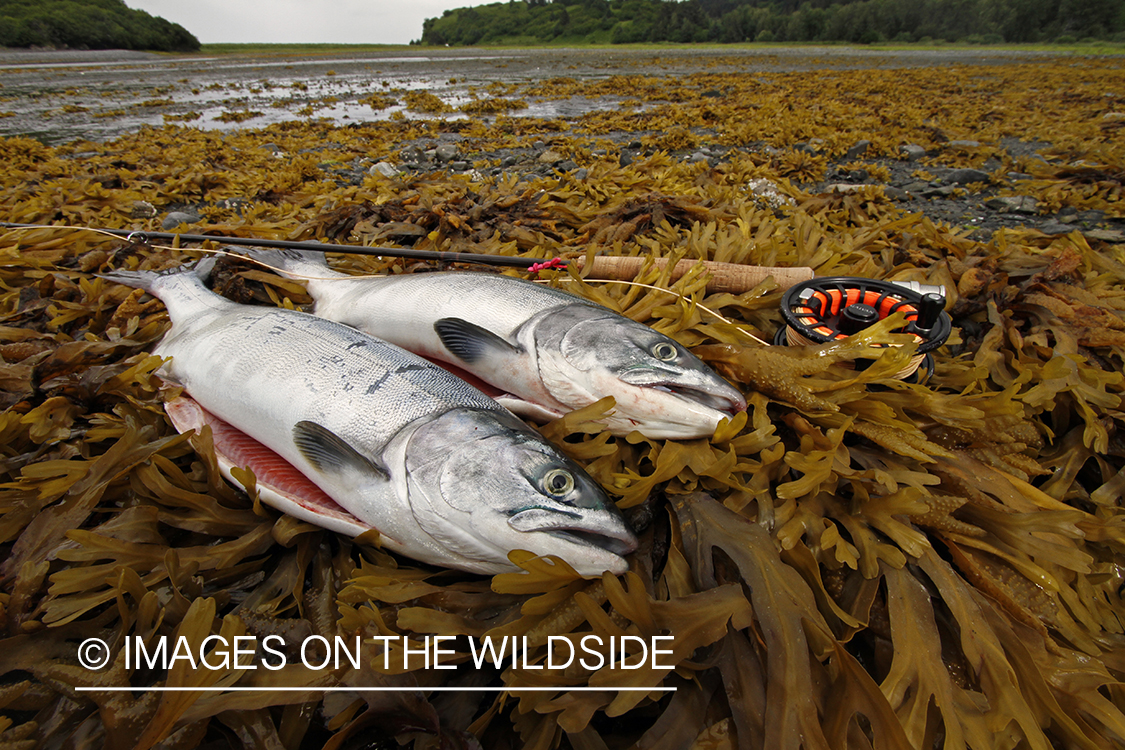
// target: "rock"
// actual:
[[1022, 204], [766, 190], [142, 210], [446, 152], [916, 187], [539, 145], [550, 156], [234, 204], [1067, 215], [912, 151], [1093, 216], [896, 193], [459, 166], [967, 176], [1017, 176], [566, 166], [509, 161], [635, 145], [1105, 235], [626, 159], [1055, 227], [858, 150], [963, 144], [384, 168], [581, 174], [859, 175], [176, 218], [697, 157], [843, 187]]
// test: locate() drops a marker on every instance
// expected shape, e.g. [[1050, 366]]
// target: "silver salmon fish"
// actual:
[[444, 473], [549, 351]]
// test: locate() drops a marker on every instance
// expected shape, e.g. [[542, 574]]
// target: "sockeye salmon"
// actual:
[[444, 473], [552, 352]]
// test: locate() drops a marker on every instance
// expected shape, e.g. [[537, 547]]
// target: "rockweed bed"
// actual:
[[854, 562]]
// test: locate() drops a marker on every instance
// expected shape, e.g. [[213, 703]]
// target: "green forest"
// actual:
[[89, 24], [857, 21]]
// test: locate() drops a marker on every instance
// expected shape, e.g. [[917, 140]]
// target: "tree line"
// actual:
[[857, 21], [89, 24]]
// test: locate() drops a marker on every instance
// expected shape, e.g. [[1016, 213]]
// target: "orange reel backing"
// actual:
[[835, 307]]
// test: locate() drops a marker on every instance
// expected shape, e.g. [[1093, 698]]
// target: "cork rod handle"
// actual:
[[734, 278]]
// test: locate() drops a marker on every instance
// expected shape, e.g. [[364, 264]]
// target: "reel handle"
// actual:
[[929, 310]]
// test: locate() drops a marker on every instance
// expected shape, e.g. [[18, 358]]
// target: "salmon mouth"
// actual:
[[620, 546], [728, 405]]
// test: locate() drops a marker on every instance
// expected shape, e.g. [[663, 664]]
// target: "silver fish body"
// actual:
[[444, 473], [553, 351]]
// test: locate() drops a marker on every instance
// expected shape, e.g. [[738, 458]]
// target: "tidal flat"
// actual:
[[855, 561]]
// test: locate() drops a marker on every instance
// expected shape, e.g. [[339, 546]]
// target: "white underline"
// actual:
[[236, 688]]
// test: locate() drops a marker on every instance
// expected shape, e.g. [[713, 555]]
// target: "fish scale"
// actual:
[[444, 473], [260, 346], [545, 352]]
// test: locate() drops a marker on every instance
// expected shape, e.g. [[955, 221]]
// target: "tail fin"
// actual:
[[149, 280], [294, 263]]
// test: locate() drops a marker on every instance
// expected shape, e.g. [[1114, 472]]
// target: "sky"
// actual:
[[281, 21]]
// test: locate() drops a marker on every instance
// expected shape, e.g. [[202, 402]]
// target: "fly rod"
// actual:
[[734, 278]]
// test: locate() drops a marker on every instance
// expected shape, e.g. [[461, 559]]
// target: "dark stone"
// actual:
[[967, 176], [1054, 227], [446, 152], [912, 151], [176, 218], [1023, 204], [858, 150]]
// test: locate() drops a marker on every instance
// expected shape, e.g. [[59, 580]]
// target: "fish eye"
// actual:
[[558, 482], [664, 351]]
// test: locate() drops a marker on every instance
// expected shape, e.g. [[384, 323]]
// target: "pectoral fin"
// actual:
[[329, 452], [471, 343]]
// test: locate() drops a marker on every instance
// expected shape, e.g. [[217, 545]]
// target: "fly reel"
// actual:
[[835, 307]]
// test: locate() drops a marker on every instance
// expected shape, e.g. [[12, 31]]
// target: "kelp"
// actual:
[[854, 562]]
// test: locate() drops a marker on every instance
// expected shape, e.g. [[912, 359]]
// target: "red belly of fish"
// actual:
[[270, 470]]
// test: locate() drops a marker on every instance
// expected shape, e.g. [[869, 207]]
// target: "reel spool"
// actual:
[[835, 307]]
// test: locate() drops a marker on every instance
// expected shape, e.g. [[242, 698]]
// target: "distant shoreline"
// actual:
[[16, 55]]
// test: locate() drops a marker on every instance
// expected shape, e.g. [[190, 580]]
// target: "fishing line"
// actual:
[[701, 306]]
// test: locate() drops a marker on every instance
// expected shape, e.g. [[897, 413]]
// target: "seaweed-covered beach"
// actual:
[[856, 561]]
